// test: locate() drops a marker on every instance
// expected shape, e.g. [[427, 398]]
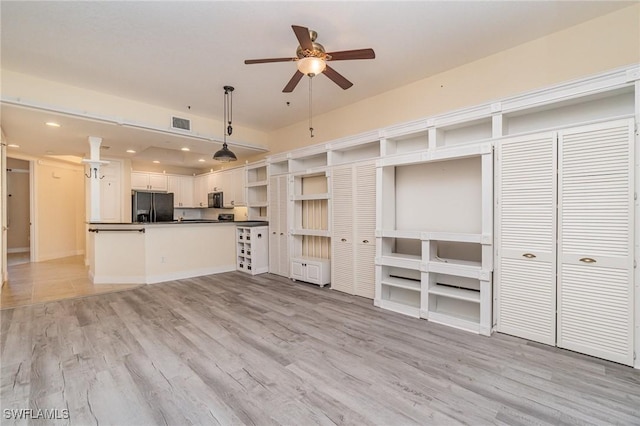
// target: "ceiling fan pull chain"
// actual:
[[310, 103]]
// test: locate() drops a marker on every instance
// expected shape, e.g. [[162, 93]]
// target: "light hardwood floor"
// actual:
[[58, 279], [234, 349]]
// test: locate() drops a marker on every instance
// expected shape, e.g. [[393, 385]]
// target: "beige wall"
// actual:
[[599, 45], [59, 206]]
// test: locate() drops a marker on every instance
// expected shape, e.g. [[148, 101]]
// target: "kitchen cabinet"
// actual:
[[200, 191], [353, 191], [232, 184], [252, 249], [182, 188], [278, 228], [576, 293], [311, 270], [143, 181]]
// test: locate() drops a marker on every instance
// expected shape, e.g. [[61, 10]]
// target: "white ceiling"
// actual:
[[179, 54]]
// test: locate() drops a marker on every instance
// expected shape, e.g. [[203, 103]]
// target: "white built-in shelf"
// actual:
[[409, 284], [456, 293], [456, 320], [460, 268], [393, 233], [455, 237], [307, 197], [439, 154], [407, 261], [259, 204], [254, 184], [312, 232], [412, 310]]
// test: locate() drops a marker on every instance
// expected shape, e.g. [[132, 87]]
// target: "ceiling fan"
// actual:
[[312, 59]]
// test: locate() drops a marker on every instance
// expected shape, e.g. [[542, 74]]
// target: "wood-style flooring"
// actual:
[[38, 282], [234, 349]]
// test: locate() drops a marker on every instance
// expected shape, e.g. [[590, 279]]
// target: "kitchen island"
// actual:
[[147, 253]]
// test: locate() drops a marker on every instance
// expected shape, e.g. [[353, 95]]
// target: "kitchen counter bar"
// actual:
[[160, 252]]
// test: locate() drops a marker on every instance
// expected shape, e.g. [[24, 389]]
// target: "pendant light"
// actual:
[[225, 155]]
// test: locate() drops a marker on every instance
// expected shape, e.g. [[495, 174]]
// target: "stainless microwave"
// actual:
[[214, 200]]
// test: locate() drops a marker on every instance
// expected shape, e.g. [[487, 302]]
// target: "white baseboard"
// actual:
[[59, 255], [18, 250]]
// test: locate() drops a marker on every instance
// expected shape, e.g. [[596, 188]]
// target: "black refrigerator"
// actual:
[[151, 206]]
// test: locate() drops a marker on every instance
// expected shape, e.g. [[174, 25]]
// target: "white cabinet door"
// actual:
[[200, 191], [149, 181], [140, 181], [278, 232], [526, 236], [187, 191], [298, 270], [365, 229], [353, 192], [158, 182], [174, 184], [342, 263], [595, 230]]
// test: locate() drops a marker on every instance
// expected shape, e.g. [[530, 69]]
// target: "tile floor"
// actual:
[[66, 278]]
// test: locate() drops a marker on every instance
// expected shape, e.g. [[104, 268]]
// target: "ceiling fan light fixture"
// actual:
[[311, 65]]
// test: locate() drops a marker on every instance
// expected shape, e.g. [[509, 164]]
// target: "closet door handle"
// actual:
[[344, 240], [365, 241], [529, 255], [587, 260]]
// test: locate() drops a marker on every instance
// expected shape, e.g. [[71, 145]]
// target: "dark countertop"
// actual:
[[187, 221]]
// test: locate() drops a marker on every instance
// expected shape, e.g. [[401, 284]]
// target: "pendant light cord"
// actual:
[[310, 105]]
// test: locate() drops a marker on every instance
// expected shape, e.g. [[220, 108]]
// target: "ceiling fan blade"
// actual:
[[346, 55], [302, 34], [293, 82], [337, 78], [264, 61]]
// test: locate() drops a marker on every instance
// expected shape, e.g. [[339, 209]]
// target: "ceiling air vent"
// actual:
[[178, 123]]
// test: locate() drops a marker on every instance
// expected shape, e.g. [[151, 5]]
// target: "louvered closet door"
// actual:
[[342, 273], [283, 225], [365, 221], [274, 213], [595, 246], [526, 237]]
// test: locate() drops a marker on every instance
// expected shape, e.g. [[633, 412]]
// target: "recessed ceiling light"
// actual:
[[15, 145], [156, 161], [131, 151], [49, 152], [52, 124], [185, 149], [201, 160]]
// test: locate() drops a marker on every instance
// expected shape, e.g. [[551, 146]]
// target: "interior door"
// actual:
[[525, 271], [595, 245], [274, 239]]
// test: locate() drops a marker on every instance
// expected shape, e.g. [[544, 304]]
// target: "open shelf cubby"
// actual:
[[400, 290]]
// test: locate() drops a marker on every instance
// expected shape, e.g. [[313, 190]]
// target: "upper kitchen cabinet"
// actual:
[[232, 185], [200, 191], [144, 181], [182, 188]]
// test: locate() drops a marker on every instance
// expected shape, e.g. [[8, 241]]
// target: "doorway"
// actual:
[[18, 204]]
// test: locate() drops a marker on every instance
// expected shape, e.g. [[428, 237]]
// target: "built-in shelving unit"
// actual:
[[434, 237], [310, 228], [434, 250], [257, 191]]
